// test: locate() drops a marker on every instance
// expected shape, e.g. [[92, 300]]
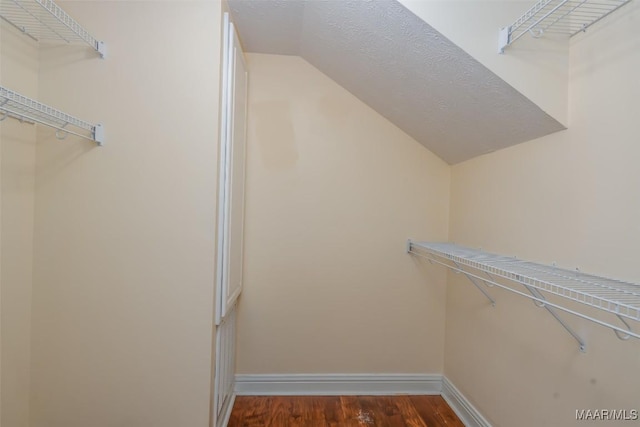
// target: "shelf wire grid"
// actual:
[[561, 16], [21, 107], [612, 296], [44, 20]]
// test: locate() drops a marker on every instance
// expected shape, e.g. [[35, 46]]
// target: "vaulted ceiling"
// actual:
[[401, 67]]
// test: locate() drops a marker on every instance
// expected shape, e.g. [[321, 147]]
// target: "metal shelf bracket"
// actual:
[[98, 134], [503, 39], [623, 335], [539, 303], [472, 280], [101, 47]]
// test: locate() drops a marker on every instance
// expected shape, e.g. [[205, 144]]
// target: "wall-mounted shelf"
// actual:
[[44, 20], [557, 16], [20, 107], [608, 296]]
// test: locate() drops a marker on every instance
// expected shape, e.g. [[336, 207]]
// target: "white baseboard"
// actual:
[[226, 414], [337, 384], [467, 413], [360, 384]]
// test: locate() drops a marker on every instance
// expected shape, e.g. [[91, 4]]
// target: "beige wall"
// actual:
[[569, 198], [538, 68], [18, 71], [333, 192], [125, 233]]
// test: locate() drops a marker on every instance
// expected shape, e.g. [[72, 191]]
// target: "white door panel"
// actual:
[[237, 175], [232, 174]]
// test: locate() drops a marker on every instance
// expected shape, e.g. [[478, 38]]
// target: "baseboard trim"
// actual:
[[467, 413], [226, 415], [354, 384], [337, 384]]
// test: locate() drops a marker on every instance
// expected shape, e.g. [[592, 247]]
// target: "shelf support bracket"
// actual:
[[476, 284], [622, 335], [503, 39], [409, 248], [489, 283], [98, 134], [540, 300], [101, 48]]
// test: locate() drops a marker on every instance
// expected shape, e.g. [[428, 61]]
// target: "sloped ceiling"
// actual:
[[401, 67]]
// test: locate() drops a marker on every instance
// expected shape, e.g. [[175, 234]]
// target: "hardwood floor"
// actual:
[[348, 411]]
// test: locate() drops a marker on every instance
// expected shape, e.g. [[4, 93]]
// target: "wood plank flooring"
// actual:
[[347, 411]]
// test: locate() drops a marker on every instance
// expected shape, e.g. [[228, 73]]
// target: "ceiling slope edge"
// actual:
[[401, 67]]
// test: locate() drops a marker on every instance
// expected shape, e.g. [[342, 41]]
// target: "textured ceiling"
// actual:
[[401, 67]]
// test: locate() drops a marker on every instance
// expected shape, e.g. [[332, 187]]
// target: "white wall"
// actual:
[[125, 233], [333, 192], [18, 71], [568, 198]]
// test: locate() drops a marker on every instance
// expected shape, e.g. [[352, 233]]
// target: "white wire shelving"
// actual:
[[20, 107], [45, 20], [567, 17], [609, 296]]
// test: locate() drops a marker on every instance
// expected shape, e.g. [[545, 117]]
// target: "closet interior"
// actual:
[[318, 198]]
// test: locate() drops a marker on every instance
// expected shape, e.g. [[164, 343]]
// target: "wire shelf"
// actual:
[[611, 296], [567, 17], [44, 20], [14, 105]]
